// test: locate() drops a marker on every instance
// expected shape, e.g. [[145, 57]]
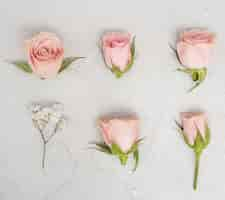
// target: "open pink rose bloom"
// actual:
[[117, 50], [196, 134], [121, 137], [45, 54]]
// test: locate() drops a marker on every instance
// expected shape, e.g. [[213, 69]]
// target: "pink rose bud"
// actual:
[[192, 124], [120, 136], [45, 54], [196, 134], [194, 48], [193, 51], [118, 51], [121, 131]]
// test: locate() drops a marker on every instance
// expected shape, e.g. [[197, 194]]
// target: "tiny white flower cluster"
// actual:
[[48, 119]]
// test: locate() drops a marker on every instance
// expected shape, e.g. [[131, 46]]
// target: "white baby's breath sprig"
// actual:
[[49, 119]]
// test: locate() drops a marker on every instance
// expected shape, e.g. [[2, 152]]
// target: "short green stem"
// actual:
[[197, 159], [198, 75], [123, 159]]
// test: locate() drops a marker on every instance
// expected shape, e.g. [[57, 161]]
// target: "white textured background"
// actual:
[[152, 89]]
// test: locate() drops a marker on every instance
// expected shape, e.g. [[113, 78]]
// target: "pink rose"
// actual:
[[192, 123], [45, 54], [194, 48], [196, 134], [116, 47], [121, 131]]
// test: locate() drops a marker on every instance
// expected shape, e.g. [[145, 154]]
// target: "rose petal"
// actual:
[[45, 54]]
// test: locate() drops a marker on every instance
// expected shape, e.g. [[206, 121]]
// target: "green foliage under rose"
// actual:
[[115, 150], [23, 65]]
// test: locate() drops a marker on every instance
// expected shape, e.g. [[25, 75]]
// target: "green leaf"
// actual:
[[123, 159], [103, 148], [23, 65], [67, 62], [136, 159]]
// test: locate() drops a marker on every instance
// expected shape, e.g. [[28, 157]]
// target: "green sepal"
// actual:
[[123, 157], [134, 150], [176, 53], [135, 146], [207, 136], [23, 65], [117, 71], [67, 62], [185, 70], [132, 56], [102, 147], [198, 75], [180, 130], [200, 142], [136, 159], [116, 149]]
